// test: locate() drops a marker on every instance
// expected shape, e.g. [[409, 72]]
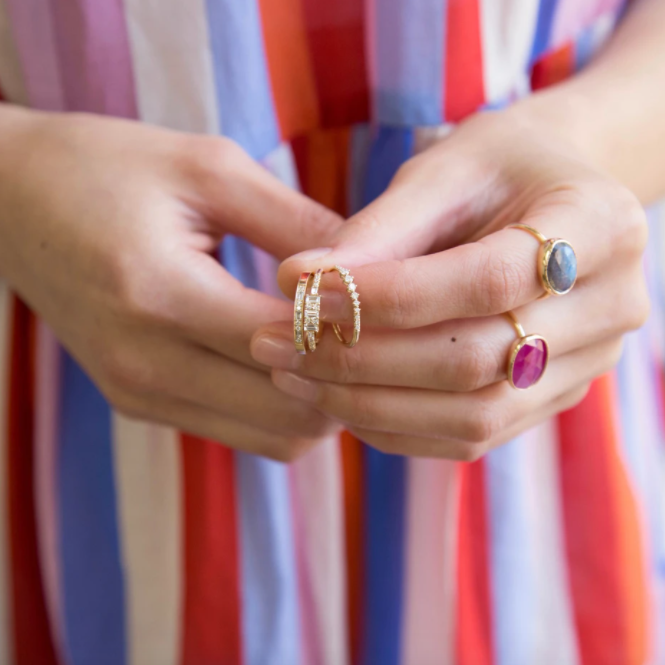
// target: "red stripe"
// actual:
[[553, 68], [212, 596], [32, 634], [602, 534], [336, 38], [463, 85], [352, 466], [474, 636]]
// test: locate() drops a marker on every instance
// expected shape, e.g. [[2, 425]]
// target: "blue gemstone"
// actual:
[[562, 267]]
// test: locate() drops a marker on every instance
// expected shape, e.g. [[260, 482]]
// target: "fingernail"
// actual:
[[311, 254], [296, 386], [275, 352]]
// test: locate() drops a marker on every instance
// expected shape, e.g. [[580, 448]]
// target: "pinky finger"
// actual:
[[453, 449], [208, 424]]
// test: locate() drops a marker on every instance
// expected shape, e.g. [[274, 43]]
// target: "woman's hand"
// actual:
[[108, 229], [429, 374]]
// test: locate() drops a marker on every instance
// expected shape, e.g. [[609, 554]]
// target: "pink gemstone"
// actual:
[[530, 363]]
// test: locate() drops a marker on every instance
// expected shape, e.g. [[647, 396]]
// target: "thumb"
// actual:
[[241, 197]]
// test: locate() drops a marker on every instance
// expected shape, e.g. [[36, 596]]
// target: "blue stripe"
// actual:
[[584, 48], [541, 41], [244, 96], [270, 608], [410, 36], [385, 474], [513, 570], [93, 585]]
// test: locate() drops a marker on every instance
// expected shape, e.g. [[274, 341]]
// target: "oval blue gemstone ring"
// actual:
[[557, 263]]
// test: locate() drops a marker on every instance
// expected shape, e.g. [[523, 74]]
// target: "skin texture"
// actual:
[[108, 228]]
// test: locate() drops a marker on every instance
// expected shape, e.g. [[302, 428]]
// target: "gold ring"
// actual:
[[528, 357], [351, 290], [306, 312], [557, 262]]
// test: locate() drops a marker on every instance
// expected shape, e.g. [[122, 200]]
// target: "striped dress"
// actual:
[[125, 543]]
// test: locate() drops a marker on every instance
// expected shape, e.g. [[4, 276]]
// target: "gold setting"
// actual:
[[307, 329], [351, 289], [547, 246], [522, 339]]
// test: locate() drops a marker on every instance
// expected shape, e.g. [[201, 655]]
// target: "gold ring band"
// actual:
[[557, 262], [351, 289], [307, 329], [528, 357]]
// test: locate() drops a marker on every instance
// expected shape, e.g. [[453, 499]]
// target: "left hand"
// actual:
[[435, 268]]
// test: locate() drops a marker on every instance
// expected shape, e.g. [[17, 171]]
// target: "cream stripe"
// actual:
[[149, 494], [556, 639], [172, 64], [318, 509], [507, 29], [11, 78], [5, 328], [430, 584]]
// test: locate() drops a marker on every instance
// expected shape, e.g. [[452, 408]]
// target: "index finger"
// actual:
[[490, 276]]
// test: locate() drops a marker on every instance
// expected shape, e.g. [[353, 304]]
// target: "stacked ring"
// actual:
[[528, 357], [355, 299], [307, 328], [557, 262]]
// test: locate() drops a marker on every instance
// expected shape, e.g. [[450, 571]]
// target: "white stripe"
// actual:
[[318, 504], [5, 590], [172, 64], [556, 640], [147, 462], [507, 29], [11, 78]]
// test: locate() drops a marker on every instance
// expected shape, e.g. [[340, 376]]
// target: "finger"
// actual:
[[399, 444], [497, 273], [248, 201], [464, 354], [206, 379], [208, 424], [472, 417]]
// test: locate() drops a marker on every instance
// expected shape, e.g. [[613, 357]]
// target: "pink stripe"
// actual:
[[573, 16], [432, 505], [46, 495], [35, 43], [95, 56]]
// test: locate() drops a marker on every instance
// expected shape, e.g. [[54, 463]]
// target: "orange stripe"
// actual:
[[322, 159], [352, 468], [291, 74], [603, 539], [553, 68]]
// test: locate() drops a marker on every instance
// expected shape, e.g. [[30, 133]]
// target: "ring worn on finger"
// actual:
[[528, 357], [557, 262]]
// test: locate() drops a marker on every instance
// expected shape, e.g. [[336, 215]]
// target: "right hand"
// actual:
[[107, 231]]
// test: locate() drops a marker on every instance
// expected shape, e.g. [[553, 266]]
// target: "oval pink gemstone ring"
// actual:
[[528, 357]]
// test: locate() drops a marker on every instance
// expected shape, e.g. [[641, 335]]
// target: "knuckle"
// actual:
[[399, 297], [631, 221], [213, 154], [316, 220], [347, 364], [504, 281], [470, 452], [486, 420], [479, 366], [637, 313], [288, 450], [576, 397], [613, 356], [126, 372]]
